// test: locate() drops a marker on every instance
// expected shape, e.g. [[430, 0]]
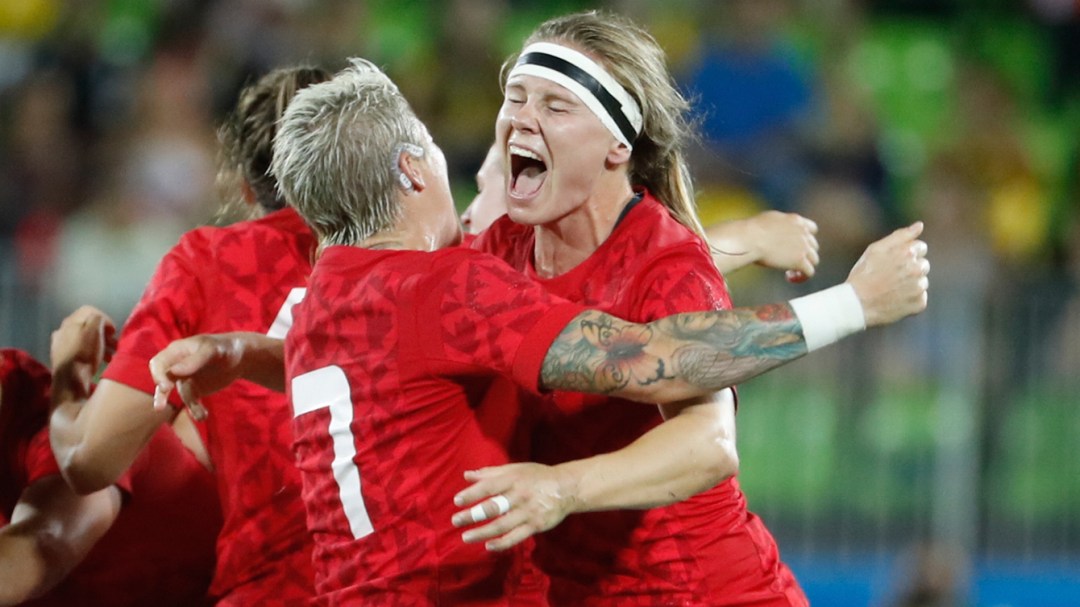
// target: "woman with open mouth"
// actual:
[[600, 211]]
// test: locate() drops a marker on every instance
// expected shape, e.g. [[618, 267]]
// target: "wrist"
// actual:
[[570, 478], [829, 315], [69, 380]]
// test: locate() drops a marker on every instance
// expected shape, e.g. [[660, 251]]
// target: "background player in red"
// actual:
[[243, 277], [107, 548], [601, 212], [398, 336]]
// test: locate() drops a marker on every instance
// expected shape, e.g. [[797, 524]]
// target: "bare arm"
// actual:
[[95, 437], [690, 452], [783, 241], [51, 531]]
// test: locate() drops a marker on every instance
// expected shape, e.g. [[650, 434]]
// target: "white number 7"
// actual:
[[328, 388]]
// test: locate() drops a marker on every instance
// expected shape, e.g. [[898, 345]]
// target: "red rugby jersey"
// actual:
[[388, 354], [707, 550], [243, 277]]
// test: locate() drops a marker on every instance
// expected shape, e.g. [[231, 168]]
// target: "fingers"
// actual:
[[910, 232], [161, 396], [179, 359], [159, 370], [514, 537], [509, 528], [502, 533], [191, 400], [163, 369], [515, 501], [475, 494], [86, 337], [496, 506], [487, 482], [901, 235]]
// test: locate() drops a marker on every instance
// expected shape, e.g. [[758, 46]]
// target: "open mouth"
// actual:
[[527, 172]]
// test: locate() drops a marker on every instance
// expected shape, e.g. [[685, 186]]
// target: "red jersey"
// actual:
[[27, 382], [707, 550], [160, 548], [390, 351], [245, 277]]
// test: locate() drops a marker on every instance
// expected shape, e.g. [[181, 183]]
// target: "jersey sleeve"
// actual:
[[480, 313], [167, 311], [41, 463]]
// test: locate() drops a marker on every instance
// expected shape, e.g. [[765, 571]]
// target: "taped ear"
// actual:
[[406, 166]]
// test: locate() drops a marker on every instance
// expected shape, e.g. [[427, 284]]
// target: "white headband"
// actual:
[[582, 76]]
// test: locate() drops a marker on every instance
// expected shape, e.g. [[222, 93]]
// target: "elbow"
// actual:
[[723, 461], [81, 475]]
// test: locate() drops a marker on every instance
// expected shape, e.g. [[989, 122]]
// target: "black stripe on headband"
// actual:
[[612, 105]]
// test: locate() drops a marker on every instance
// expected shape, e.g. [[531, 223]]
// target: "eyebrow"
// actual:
[[547, 92]]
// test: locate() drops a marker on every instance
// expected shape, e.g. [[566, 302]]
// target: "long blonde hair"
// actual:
[[633, 57]]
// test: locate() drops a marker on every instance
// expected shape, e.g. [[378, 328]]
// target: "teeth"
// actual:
[[518, 151]]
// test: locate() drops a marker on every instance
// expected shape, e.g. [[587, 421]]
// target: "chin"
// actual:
[[520, 214]]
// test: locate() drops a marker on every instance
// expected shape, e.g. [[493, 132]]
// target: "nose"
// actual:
[[524, 119]]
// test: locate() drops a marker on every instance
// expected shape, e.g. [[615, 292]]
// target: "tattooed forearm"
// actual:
[[674, 357], [599, 353]]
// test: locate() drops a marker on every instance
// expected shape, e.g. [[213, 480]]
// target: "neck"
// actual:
[[568, 241]]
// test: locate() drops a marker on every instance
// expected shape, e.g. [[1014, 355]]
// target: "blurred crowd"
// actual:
[[859, 115]]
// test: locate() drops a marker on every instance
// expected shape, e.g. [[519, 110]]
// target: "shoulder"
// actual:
[[673, 264], [265, 234], [506, 240], [653, 219], [650, 236]]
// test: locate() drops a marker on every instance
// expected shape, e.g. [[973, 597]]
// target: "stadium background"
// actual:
[[937, 459]]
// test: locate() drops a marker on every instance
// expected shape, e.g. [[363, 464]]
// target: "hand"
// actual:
[[783, 241], [84, 340], [537, 498], [891, 277], [195, 367]]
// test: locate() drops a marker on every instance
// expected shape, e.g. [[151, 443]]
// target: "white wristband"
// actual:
[[829, 316]]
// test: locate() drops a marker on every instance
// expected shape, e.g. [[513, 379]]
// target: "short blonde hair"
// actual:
[[335, 153]]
